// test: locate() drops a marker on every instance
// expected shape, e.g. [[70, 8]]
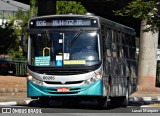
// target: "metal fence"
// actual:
[[21, 66]]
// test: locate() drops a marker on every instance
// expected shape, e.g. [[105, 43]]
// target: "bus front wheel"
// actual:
[[44, 102]]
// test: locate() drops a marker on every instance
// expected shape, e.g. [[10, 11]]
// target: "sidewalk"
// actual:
[[13, 90], [146, 96], [145, 91]]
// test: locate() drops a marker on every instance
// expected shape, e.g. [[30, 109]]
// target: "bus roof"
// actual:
[[117, 26]]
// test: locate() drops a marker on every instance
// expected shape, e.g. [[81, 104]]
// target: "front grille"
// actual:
[[70, 82], [74, 82], [63, 92], [72, 91], [52, 82]]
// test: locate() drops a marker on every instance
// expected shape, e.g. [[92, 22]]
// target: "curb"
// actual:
[[14, 103], [144, 99]]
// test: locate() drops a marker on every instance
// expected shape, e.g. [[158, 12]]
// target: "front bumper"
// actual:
[[94, 89]]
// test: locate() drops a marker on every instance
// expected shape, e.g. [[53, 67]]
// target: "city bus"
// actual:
[[82, 57]]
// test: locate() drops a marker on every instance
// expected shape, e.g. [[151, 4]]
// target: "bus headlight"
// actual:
[[35, 81], [93, 79], [98, 76]]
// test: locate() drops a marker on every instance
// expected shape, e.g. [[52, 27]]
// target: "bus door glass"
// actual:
[[56, 48]]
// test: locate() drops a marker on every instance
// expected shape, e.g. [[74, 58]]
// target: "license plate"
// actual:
[[63, 90]]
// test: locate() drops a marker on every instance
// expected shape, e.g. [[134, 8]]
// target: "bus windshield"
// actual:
[[70, 48]]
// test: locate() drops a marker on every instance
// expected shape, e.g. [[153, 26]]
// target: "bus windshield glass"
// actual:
[[70, 48]]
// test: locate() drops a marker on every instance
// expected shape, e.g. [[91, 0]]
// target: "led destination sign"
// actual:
[[71, 22], [42, 23], [60, 22]]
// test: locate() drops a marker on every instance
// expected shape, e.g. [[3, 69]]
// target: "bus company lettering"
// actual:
[[41, 23], [48, 78]]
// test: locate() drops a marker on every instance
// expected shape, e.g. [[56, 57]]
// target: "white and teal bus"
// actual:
[[82, 57]]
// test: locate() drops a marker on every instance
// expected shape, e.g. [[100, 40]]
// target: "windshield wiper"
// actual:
[[45, 35], [75, 38]]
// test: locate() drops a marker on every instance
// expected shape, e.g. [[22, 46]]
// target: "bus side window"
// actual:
[[103, 29], [132, 53], [118, 37], [108, 52], [107, 37], [124, 39], [104, 36], [113, 36], [132, 41], [125, 51], [114, 50], [119, 51]]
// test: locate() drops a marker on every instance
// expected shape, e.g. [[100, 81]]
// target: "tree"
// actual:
[[147, 11], [19, 24], [144, 10], [7, 38], [65, 7]]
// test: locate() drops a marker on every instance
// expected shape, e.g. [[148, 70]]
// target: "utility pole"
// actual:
[[46, 7]]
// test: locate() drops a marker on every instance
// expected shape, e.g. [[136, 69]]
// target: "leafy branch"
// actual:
[[65, 7], [144, 10]]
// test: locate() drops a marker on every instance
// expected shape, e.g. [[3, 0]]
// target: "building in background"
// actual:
[[10, 7]]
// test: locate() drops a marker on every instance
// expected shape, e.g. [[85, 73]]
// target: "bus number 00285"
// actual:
[[48, 78]]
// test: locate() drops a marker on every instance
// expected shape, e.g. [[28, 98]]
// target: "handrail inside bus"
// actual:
[[44, 51]]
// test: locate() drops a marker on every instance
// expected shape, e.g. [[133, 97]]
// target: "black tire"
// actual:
[[73, 102], [114, 102], [44, 102], [102, 103], [121, 101], [125, 99]]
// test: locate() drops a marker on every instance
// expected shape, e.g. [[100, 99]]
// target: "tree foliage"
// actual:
[[144, 10], [7, 39], [65, 7], [22, 18], [19, 24]]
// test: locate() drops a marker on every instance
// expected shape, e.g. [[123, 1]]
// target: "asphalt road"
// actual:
[[85, 107], [57, 108]]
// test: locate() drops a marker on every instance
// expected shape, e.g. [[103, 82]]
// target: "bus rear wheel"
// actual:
[[125, 100]]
